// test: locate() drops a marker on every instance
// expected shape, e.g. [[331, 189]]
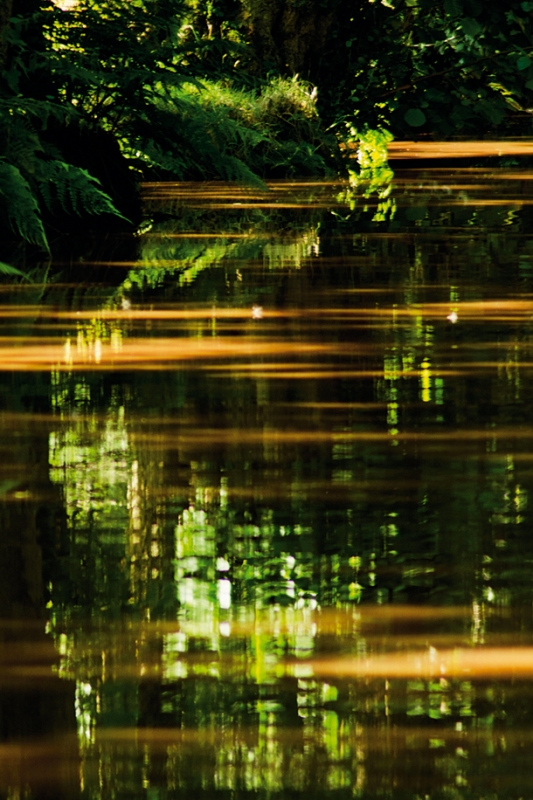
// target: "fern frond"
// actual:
[[39, 111], [232, 168], [21, 206], [73, 188], [19, 142], [7, 269], [151, 153]]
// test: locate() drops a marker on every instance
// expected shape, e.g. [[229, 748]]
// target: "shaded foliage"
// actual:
[[112, 91], [414, 66], [96, 97], [452, 67]]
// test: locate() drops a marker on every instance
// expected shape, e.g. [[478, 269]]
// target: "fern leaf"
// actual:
[[232, 168], [151, 153], [20, 143], [21, 205], [7, 269], [74, 189]]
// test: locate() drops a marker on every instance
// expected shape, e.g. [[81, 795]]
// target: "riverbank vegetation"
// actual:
[[96, 96]]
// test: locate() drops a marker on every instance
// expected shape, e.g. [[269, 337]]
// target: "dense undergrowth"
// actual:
[[106, 96], [98, 95]]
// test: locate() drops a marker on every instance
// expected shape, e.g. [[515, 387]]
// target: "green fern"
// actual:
[[7, 269], [32, 171], [124, 66], [240, 135], [21, 206], [73, 188]]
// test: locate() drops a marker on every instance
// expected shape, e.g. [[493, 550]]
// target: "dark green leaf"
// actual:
[[415, 117], [470, 27], [453, 8], [493, 111], [12, 77], [523, 62], [460, 114], [436, 96], [21, 206]]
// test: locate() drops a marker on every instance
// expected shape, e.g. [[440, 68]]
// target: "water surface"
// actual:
[[266, 499]]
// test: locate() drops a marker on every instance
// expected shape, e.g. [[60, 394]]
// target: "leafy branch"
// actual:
[[454, 68]]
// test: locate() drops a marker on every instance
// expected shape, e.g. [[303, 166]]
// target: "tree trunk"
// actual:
[[292, 36]]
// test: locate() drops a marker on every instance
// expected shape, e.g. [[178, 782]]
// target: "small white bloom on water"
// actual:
[[257, 312], [452, 317]]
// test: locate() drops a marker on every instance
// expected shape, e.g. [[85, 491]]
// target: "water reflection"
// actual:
[[266, 501], [459, 149]]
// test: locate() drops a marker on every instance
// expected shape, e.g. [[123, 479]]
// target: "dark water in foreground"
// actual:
[[265, 500]]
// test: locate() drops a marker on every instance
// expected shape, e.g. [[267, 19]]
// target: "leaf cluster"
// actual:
[[239, 134], [446, 68], [130, 68], [33, 175]]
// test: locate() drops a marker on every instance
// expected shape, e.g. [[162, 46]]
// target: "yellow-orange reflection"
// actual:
[[400, 643], [282, 436], [435, 661], [161, 353], [472, 149], [458, 662], [289, 354], [494, 309]]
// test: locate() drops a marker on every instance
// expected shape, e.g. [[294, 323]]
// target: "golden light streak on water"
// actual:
[[164, 354], [250, 342], [472, 149], [397, 735], [401, 642], [456, 662], [493, 309], [247, 436], [459, 662]]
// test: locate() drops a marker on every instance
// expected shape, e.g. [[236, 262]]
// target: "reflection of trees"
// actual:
[[38, 751], [186, 520], [269, 508], [187, 532]]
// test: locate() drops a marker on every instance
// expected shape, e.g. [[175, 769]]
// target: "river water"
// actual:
[[265, 493]]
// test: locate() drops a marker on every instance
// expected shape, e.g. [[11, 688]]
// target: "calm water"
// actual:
[[265, 494]]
